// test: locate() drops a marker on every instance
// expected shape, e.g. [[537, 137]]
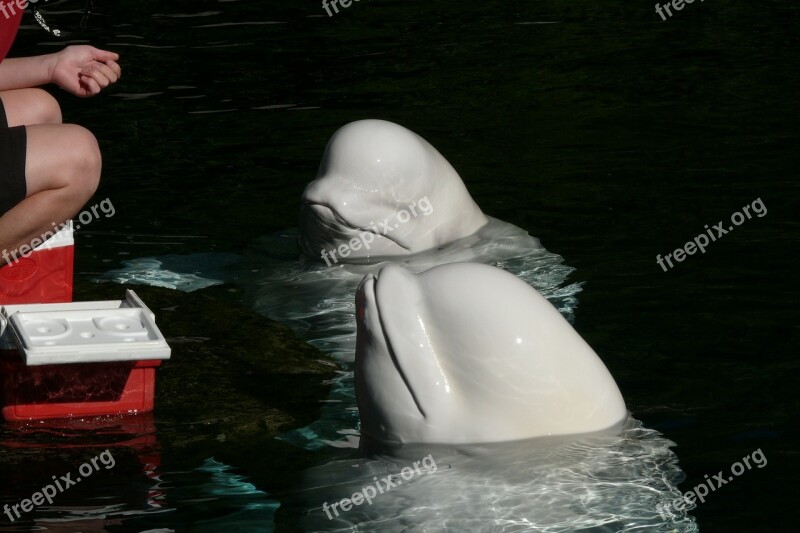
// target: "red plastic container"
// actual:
[[44, 276], [79, 359], [65, 391]]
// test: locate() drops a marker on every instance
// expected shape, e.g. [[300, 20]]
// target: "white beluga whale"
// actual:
[[468, 353], [384, 191]]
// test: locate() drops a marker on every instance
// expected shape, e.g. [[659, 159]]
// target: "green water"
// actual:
[[607, 133]]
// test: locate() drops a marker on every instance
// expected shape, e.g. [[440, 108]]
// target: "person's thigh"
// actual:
[[26, 107], [61, 155]]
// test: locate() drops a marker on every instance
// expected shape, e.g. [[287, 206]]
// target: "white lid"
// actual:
[[64, 237], [85, 332]]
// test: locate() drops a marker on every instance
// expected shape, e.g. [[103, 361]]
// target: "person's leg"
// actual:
[[26, 107], [62, 171]]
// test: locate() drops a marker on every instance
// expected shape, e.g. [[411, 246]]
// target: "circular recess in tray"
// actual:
[[45, 328], [120, 325]]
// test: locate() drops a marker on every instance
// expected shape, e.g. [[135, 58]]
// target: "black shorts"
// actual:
[[13, 145]]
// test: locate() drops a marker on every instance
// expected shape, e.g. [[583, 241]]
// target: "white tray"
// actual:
[[84, 332]]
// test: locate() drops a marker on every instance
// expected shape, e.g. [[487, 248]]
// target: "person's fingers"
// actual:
[[101, 69], [90, 70], [89, 85], [100, 78], [114, 70], [113, 65], [100, 72]]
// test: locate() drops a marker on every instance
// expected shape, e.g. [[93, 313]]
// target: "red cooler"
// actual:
[[44, 276], [78, 359]]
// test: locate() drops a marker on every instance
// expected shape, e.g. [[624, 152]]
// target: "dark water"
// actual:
[[607, 133]]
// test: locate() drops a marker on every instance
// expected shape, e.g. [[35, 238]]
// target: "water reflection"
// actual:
[[137, 493], [93, 502]]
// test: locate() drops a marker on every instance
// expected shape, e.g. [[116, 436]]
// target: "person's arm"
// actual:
[[82, 70], [24, 72]]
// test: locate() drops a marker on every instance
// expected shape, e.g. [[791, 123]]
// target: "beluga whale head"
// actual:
[[383, 191], [468, 353]]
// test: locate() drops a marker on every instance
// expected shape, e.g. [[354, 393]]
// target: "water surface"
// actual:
[[606, 133]]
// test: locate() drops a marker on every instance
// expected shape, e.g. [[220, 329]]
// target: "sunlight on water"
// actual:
[[148, 271], [598, 483]]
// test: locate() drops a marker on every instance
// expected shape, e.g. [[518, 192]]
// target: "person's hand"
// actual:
[[84, 70]]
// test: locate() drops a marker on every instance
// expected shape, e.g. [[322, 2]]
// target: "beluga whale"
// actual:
[[384, 191], [469, 353]]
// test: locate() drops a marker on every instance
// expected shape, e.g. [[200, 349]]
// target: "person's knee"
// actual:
[[86, 162], [64, 158], [92, 162], [42, 108]]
